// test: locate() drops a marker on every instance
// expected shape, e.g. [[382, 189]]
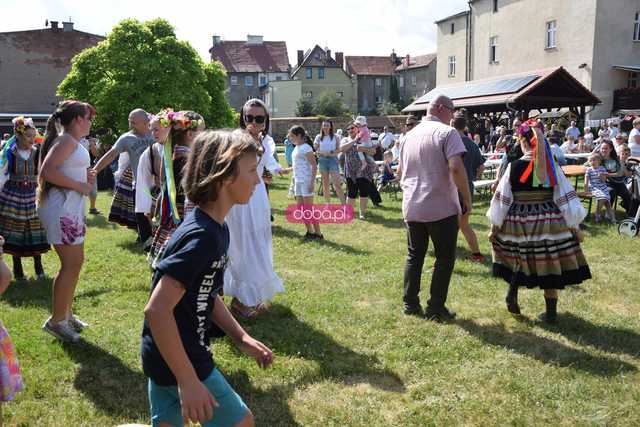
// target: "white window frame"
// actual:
[[379, 99], [233, 80], [262, 80], [309, 73], [414, 80], [248, 81], [493, 49], [636, 27], [401, 81], [551, 40], [378, 82], [451, 66], [321, 73], [633, 79]]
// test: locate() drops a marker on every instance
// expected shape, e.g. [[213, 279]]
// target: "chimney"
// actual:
[[216, 40], [407, 60], [328, 53], [394, 58], [300, 57], [340, 59], [254, 40], [67, 26], [54, 25]]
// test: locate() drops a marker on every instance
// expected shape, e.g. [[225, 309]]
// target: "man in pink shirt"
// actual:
[[432, 174]]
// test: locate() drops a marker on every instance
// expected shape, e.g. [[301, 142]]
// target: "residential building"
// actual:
[[416, 76], [250, 65], [597, 41], [320, 72], [32, 65], [282, 97], [372, 77]]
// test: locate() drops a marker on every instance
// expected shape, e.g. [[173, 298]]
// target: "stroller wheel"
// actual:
[[628, 228]]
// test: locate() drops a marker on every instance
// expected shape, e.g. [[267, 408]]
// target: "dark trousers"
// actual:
[[144, 227], [620, 189], [444, 234]]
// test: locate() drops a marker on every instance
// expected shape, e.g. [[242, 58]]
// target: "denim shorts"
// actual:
[[165, 403], [328, 164]]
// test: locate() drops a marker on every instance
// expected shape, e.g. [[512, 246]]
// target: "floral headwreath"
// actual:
[[542, 165], [21, 123], [178, 120], [525, 127]]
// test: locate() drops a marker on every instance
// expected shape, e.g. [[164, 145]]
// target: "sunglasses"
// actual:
[[249, 118], [410, 125]]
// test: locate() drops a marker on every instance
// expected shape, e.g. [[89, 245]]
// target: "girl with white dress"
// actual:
[[65, 181], [250, 278], [304, 176]]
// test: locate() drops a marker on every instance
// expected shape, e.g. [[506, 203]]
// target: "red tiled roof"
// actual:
[[57, 47], [369, 65], [416, 61], [240, 57]]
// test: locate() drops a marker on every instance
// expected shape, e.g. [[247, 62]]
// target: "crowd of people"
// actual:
[[200, 205]]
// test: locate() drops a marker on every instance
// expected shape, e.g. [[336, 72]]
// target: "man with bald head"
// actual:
[[432, 174], [133, 143]]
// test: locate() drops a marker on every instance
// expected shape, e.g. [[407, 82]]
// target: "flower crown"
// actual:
[[178, 120], [21, 123], [525, 127]]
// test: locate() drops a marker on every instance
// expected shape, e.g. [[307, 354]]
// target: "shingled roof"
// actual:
[[416, 61], [369, 65], [243, 57]]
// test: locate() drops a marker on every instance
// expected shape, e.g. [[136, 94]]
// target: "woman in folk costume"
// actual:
[[250, 278], [19, 222], [535, 215], [185, 126]]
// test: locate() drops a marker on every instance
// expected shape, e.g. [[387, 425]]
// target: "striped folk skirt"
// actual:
[[20, 225], [535, 247], [163, 232], [123, 207]]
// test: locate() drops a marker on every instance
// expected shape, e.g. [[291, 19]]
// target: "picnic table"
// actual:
[[574, 171]]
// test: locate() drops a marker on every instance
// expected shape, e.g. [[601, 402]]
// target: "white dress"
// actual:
[[250, 276], [62, 209]]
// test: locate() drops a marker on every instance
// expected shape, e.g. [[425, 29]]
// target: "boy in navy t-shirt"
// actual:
[[184, 384]]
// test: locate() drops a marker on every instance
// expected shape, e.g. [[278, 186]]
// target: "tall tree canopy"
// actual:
[[144, 65]]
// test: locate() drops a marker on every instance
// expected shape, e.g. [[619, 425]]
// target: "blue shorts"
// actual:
[[165, 403], [328, 164]]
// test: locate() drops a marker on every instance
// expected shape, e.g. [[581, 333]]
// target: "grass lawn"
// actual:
[[345, 355]]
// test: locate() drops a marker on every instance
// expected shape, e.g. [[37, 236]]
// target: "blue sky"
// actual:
[[371, 27]]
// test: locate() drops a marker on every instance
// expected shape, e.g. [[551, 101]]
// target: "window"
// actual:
[[453, 27], [401, 81], [633, 80], [248, 80], [413, 80], [340, 94], [309, 72], [308, 94], [278, 78], [379, 100], [495, 6], [263, 80], [321, 73], [636, 28], [452, 66], [493, 49], [233, 80], [378, 82], [551, 34]]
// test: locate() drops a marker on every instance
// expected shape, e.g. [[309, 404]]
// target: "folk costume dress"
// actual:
[[536, 207], [10, 378], [20, 225], [123, 205], [250, 276]]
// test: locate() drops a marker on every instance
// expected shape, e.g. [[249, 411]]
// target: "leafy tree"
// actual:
[[144, 65], [329, 104], [304, 107], [388, 108]]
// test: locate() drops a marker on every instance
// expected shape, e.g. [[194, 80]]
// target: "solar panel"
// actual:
[[472, 90]]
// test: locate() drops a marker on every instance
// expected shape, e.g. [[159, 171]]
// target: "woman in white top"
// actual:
[[65, 180], [327, 147], [304, 174], [250, 278]]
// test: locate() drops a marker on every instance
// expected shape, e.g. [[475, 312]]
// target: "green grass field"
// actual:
[[345, 355]]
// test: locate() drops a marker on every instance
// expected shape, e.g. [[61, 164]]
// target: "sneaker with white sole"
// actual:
[[61, 330], [76, 323]]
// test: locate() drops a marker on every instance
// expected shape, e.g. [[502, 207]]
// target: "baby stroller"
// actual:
[[629, 227]]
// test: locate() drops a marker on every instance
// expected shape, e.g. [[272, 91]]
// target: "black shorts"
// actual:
[[358, 187]]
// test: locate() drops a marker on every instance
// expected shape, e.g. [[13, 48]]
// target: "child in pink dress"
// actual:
[[364, 140]]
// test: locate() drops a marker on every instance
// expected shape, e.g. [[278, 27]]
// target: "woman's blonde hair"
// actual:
[[213, 159]]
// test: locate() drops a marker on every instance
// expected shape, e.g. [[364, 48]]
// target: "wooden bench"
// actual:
[[586, 197]]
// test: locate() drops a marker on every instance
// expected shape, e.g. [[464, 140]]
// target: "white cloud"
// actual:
[[372, 27]]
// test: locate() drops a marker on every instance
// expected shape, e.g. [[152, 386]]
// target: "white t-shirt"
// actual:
[[301, 166], [588, 139], [568, 147], [325, 144], [573, 131], [386, 139], [633, 145], [604, 133]]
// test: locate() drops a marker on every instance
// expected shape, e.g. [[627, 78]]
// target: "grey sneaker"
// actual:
[[76, 323], [61, 330]]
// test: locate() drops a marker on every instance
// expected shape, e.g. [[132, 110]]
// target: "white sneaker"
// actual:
[[61, 330], [76, 323]]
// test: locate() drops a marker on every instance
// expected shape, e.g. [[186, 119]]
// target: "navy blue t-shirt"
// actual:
[[196, 256]]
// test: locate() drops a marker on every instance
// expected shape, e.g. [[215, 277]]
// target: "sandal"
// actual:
[[476, 257], [94, 211], [241, 310]]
